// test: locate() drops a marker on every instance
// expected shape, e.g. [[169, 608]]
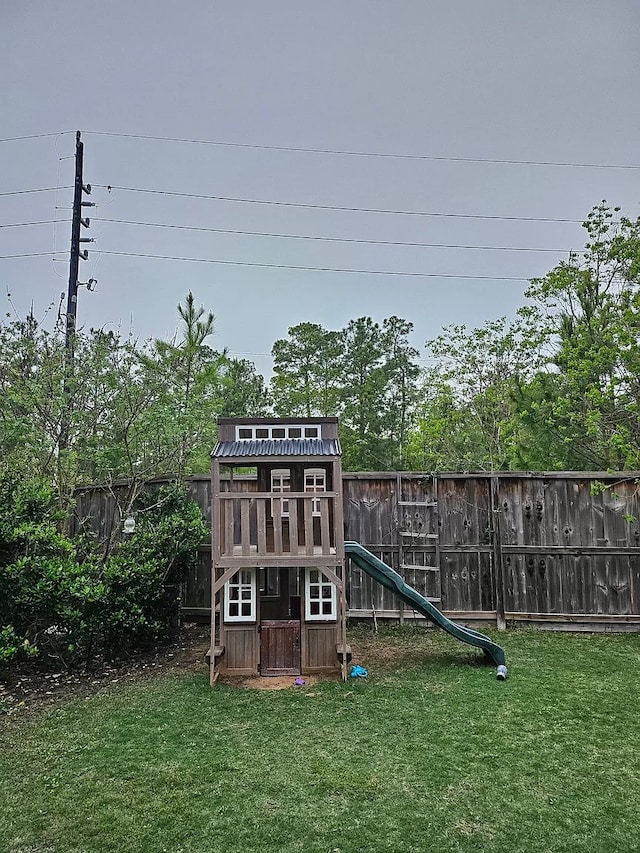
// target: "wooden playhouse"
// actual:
[[278, 593]]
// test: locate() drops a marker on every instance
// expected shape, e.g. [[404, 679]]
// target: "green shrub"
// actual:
[[61, 600]]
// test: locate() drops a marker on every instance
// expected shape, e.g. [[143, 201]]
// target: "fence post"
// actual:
[[498, 562]]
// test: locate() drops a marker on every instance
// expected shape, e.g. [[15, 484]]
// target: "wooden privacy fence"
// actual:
[[559, 550]]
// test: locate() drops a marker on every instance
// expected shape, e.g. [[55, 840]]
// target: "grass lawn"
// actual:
[[430, 753]]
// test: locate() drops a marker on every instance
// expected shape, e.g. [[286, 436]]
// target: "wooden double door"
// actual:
[[280, 647]]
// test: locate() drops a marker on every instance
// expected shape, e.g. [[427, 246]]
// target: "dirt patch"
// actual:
[[279, 682], [33, 690]]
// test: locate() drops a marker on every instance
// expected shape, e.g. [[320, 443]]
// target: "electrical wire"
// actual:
[[307, 268], [110, 187], [27, 224], [380, 154], [326, 239], [28, 255], [42, 190], [35, 136]]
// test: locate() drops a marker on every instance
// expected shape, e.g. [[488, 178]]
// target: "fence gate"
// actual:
[[419, 537]]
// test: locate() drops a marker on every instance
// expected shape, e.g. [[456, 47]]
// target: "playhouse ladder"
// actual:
[[419, 542]]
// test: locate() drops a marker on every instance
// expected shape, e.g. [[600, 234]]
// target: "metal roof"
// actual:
[[278, 447]]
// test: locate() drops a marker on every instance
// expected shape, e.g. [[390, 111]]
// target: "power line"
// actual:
[[307, 269], [380, 154], [34, 136], [295, 204], [27, 224], [28, 255], [325, 239], [41, 190]]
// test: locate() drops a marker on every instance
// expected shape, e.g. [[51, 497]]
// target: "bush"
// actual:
[[62, 601]]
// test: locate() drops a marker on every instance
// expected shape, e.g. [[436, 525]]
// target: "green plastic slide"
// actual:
[[389, 578]]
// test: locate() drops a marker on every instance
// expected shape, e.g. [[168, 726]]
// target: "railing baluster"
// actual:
[[325, 535], [293, 525], [277, 525], [228, 527], [244, 526], [262, 526], [308, 525]]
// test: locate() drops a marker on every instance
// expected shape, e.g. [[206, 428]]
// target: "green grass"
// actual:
[[430, 753]]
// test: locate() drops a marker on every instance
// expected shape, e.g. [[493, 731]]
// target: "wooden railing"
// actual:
[[270, 523]]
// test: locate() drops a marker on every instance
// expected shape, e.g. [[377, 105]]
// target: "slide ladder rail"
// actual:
[[385, 575]]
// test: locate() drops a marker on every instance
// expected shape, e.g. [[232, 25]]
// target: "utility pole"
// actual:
[[77, 223]]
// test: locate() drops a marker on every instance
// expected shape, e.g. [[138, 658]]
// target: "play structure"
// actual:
[[279, 598]]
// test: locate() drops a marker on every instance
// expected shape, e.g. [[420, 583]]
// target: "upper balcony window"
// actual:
[[315, 480], [281, 482]]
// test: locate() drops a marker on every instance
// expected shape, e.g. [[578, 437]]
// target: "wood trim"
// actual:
[[575, 550], [283, 560], [512, 616], [250, 461], [332, 576], [486, 475], [247, 496], [226, 576]]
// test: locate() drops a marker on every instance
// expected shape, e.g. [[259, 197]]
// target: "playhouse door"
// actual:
[[280, 647]]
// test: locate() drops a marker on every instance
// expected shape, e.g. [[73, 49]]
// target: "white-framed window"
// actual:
[[240, 597], [315, 480], [281, 483], [320, 602], [277, 431]]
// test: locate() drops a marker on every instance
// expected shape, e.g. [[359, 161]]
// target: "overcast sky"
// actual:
[[494, 80]]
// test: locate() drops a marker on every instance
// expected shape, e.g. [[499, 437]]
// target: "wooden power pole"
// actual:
[[77, 223]]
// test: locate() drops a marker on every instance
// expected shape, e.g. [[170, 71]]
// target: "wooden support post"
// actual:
[[339, 542], [498, 561], [215, 556]]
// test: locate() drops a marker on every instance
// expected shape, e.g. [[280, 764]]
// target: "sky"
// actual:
[[438, 88]]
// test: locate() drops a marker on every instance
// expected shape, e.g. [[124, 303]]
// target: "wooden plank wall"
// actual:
[[558, 549]]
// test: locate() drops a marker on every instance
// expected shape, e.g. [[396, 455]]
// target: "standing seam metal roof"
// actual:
[[278, 447]]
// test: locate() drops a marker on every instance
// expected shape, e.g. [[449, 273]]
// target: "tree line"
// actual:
[[556, 387]]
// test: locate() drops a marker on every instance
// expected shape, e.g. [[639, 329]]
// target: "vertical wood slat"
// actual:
[[277, 526], [261, 525], [325, 535], [228, 527], [308, 526], [244, 527], [293, 525], [499, 572]]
